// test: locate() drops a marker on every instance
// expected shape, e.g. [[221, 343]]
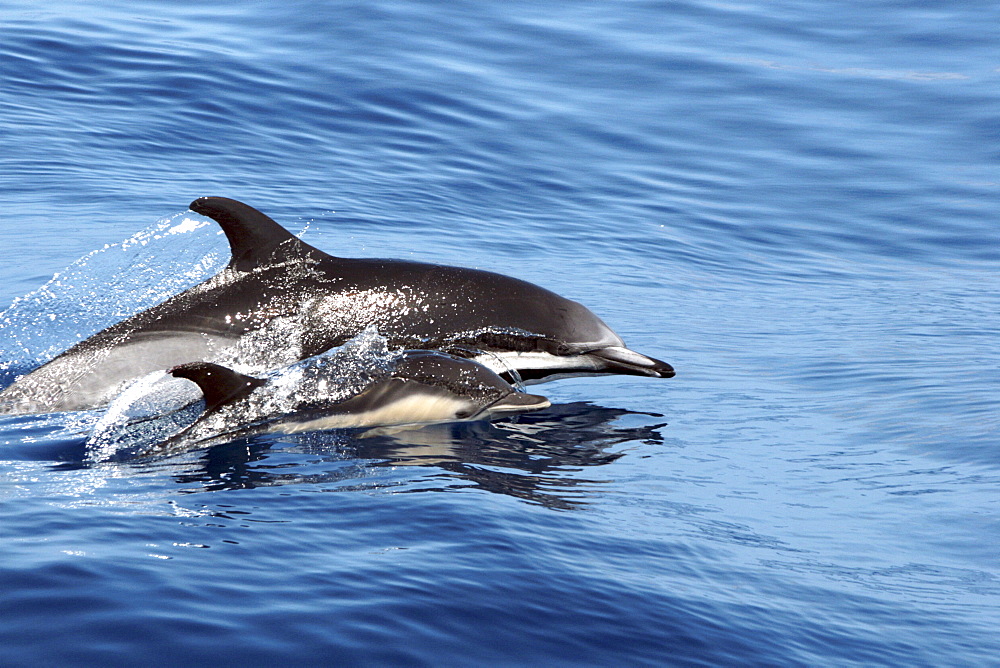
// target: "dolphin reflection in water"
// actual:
[[540, 457]]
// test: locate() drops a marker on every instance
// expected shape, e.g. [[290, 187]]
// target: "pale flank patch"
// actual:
[[408, 410], [95, 377], [505, 361]]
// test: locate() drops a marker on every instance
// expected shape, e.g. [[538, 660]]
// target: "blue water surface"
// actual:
[[795, 204]]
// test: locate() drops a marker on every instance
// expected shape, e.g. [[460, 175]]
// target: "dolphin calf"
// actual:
[[418, 387], [300, 301]]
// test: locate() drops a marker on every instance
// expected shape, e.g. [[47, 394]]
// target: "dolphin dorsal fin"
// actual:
[[254, 238], [220, 385]]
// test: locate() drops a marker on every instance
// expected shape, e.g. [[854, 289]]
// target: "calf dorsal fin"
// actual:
[[221, 386]]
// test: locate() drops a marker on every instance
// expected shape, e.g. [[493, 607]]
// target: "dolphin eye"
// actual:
[[553, 347]]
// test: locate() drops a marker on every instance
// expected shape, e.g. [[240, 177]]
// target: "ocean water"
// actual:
[[792, 203]]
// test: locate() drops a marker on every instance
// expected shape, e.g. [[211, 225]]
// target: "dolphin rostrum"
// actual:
[[305, 301]]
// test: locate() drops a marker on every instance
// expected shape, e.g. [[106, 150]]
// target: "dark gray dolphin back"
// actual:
[[415, 304], [464, 377], [459, 376]]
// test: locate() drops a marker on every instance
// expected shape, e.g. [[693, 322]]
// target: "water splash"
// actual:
[[107, 285], [150, 410], [329, 377], [157, 407]]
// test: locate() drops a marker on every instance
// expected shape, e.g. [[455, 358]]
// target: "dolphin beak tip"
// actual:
[[664, 370]]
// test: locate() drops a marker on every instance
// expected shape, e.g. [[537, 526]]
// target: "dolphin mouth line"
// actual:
[[623, 360], [517, 402]]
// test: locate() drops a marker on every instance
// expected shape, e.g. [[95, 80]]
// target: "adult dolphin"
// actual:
[[509, 325]]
